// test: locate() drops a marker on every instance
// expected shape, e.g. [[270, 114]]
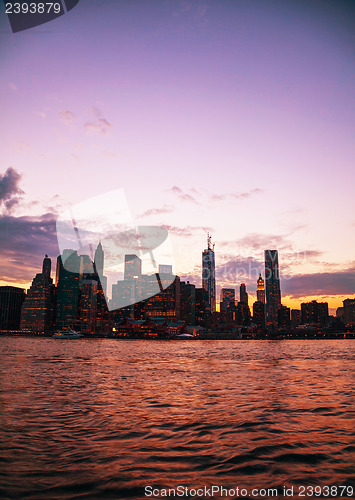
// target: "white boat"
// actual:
[[67, 334], [185, 336]]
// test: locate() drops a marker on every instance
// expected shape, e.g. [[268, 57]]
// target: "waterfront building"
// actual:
[[88, 305], [259, 313], [37, 309], [188, 303], [284, 317], [227, 298], [295, 317], [340, 312], [11, 300], [209, 276], [243, 296], [200, 309], [315, 312], [272, 279], [349, 311], [242, 314], [68, 281], [260, 290], [166, 303]]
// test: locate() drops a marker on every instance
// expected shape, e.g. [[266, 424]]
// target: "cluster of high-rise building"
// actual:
[[78, 298]]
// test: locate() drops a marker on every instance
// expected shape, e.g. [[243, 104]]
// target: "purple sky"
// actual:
[[237, 116]]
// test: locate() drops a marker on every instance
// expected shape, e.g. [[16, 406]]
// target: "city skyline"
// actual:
[[75, 266], [206, 121]]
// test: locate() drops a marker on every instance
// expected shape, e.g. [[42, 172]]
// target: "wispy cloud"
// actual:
[[183, 196], [197, 195], [184, 231], [100, 127], [166, 209], [235, 196], [23, 147], [67, 117]]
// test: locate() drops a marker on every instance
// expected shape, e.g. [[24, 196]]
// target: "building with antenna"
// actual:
[[209, 275]]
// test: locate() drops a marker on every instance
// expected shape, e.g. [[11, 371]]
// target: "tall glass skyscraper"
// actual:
[[272, 279], [209, 275]]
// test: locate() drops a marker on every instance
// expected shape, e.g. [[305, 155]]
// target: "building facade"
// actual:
[[260, 290], [209, 276], [37, 309], [273, 291], [243, 296], [11, 300]]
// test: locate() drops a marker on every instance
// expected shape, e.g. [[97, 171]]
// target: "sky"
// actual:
[[234, 117]]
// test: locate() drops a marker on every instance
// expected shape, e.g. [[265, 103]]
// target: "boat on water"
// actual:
[[67, 334]]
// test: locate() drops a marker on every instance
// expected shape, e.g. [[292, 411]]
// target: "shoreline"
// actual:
[[202, 337]]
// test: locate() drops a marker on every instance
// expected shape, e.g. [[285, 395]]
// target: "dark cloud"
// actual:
[[330, 283], [232, 272], [23, 243], [9, 188]]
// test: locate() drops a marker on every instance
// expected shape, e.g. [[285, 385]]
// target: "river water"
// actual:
[[107, 418]]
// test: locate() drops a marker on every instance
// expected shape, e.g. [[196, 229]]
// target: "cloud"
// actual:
[[100, 127], [23, 243], [156, 211], [184, 231], [23, 147], [235, 196], [9, 188], [67, 116], [183, 196], [212, 197], [331, 283]]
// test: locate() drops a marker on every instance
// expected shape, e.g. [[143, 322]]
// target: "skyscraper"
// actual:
[[88, 305], [209, 276], [132, 267], [46, 266], [188, 303], [259, 313], [99, 259], [227, 298], [260, 290], [165, 269], [273, 292], [69, 265], [243, 296], [11, 300], [37, 309]]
